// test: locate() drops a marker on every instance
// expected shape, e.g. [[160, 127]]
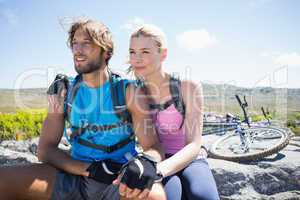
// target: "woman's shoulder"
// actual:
[[192, 95], [190, 86]]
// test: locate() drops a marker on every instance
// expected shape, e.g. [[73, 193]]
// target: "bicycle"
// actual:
[[248, 142]]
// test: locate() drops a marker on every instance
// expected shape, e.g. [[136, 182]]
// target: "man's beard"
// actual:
[[90, 67]]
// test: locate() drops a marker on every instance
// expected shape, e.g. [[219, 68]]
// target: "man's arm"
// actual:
[[52, 131]]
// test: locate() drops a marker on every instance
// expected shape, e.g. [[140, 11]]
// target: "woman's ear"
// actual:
[[163, 54]]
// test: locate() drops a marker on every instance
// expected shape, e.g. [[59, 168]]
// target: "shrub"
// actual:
[[26, 122], [257, 118]]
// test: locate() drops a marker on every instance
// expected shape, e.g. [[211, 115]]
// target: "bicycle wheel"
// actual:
[[265, 142]]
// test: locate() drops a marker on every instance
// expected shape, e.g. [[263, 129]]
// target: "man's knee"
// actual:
[[2, 186], [3, 179], [19, 181], [5, 185]]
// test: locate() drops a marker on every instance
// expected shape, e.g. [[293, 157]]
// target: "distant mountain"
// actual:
[[217, 98], [221, 98], [11, 100]]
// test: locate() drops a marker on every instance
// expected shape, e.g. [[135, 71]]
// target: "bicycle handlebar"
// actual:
[[246, 103], [243, 106], [238, 99], [266, 116], [263, 111]]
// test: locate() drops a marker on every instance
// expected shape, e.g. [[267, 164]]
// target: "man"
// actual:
[[102, 141]]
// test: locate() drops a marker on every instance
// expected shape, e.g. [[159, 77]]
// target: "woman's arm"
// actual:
[[193, 100], [142, 122]]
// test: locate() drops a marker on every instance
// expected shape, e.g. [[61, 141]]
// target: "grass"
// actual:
[[283, 104]]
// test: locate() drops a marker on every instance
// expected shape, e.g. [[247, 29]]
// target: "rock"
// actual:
[[33, 149], [21, 152], [256, 181], [19, 146], [229, 183], [270, 180], [10, 157], [296, 177]]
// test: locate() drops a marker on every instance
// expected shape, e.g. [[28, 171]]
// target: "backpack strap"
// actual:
[[175, 89], [161, 106], [71, 93], [77, 131], [177, 99], [118, 96], [107, 149]]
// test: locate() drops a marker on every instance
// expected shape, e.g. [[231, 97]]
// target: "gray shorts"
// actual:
[[73, 187]]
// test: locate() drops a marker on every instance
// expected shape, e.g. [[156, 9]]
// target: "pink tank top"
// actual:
[[170, 134]]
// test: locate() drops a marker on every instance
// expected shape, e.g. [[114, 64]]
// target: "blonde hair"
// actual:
[[149, 30], [98, 32]]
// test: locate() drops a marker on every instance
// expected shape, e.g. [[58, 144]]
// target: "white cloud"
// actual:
[[67, 21], [132, 24], [289, 59], [280, 77], [9, 16], [196, 39]]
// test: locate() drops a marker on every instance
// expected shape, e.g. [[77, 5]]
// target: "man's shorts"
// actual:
[[73, 187]]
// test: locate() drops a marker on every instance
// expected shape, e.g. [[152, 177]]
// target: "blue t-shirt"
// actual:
[[94, 106]]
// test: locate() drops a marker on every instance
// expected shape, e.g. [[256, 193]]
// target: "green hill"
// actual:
[[283, 104], [12, 100], [217, 98]]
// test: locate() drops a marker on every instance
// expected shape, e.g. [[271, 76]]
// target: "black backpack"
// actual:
[[177, 99]]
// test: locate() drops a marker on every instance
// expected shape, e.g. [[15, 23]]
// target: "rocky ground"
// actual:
[[276, 177]]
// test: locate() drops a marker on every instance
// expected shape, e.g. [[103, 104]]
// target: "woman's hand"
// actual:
[[127, 192]]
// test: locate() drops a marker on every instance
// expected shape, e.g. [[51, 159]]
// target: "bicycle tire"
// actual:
[[283, 142]]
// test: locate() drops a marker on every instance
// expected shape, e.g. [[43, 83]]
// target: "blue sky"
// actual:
[[242, 42]]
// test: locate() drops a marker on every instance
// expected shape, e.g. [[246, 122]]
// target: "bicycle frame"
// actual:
[[247, 138]]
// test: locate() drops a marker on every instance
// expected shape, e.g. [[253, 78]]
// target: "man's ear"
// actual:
[[163, 54], [105, 55]]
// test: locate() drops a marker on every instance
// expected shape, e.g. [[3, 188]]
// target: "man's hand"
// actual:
[[60, 82], [57, 94], [104, 172]]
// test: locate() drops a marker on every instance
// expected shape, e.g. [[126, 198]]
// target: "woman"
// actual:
[[177, 113]]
